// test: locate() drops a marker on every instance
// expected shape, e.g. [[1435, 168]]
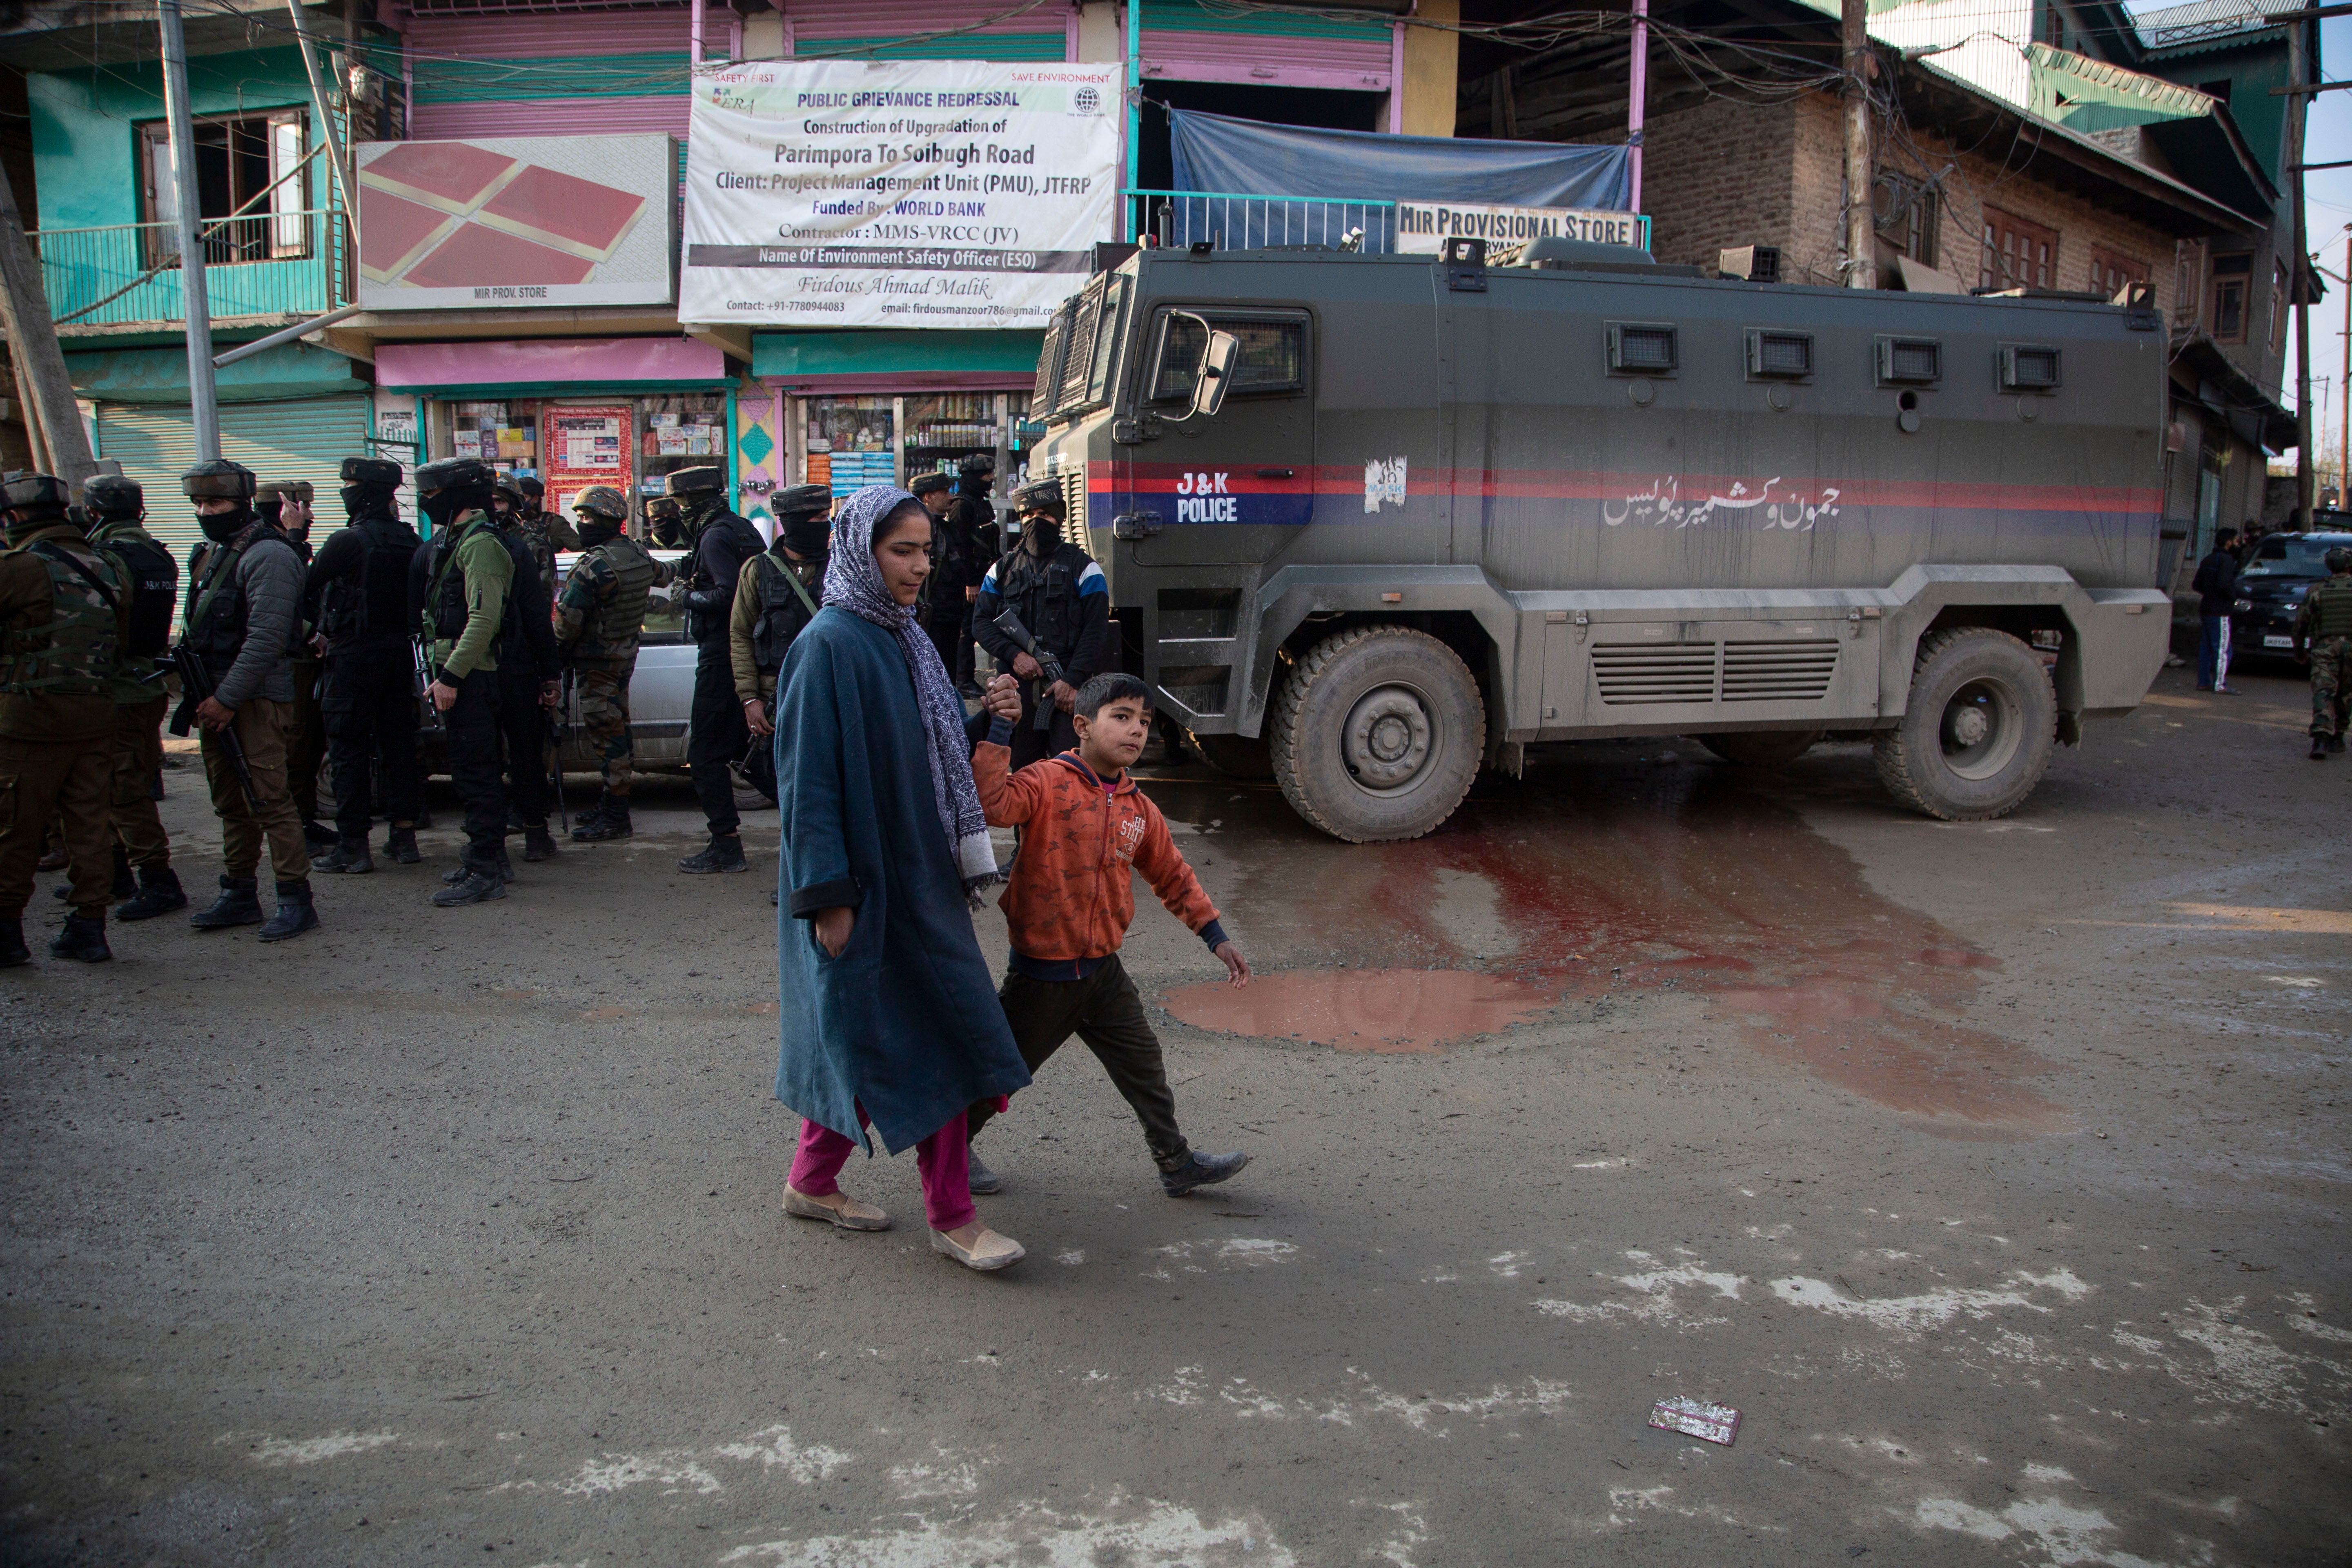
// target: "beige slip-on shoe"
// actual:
[[836, 1208], [988, 1251]]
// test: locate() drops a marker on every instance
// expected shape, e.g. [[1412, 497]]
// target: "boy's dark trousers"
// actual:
[[1103, 1011]]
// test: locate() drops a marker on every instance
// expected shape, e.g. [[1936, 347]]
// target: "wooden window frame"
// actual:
[[2224, 279], [2005, 235], [1906, 215], [2112, 272], [269, 233]]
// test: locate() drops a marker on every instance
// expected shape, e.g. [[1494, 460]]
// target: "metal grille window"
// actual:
[[1910, 361], [1780, 356], [2028, 367], [249, 163], [1272, 355], [1049, 360], [1108, 334], [1641, 348], [1078, 356]]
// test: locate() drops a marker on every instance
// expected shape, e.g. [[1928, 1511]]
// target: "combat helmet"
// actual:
[[605, 501], [1042, 495], [454, 474], [112, 495], [2338, 559], [26, 490], [699, 480]]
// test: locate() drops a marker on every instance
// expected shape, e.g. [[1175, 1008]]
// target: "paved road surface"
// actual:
[[1996, 1173]]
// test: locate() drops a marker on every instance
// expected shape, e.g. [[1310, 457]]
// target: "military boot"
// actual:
[[317, 836], [124, 884], [2335, 743], [537, 845], [349, 857], [478, 882], [236, 906], [611, 821], [159, 894], [2319, 748], [83, 937], [503, 870], [724, 853], [13, 950], [401, 844], [295, 912]]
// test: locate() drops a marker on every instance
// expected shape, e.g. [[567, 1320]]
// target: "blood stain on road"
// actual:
[[1384, 1010], [1609, 878]]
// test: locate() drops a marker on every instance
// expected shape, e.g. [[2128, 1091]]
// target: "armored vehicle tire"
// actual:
[[1377, 734], [1235, 757], [1762, 748], [1978, 730]]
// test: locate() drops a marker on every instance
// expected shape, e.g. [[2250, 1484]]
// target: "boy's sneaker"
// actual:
[[985, 1181], [1200, 1171]]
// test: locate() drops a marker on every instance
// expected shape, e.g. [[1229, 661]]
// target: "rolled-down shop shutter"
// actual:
[[156, 442]]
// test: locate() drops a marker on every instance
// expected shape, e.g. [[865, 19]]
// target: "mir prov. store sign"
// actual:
[[899, 194]]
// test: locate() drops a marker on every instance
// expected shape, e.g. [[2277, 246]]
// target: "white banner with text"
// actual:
[[896, 194]]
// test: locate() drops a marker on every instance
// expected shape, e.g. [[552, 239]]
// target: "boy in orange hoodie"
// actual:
[[1072, 897]]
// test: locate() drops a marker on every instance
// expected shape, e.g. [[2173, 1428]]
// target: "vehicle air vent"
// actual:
[[1910, 361], [1074, 497], [2028, 367], [1641, 348], [1778, 672], [1671, 672], [1780, 356]]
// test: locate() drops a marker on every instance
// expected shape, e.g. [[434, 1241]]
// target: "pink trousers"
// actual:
[[943, 1160]]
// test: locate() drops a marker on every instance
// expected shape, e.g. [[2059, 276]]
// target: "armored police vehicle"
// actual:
[[1398, 517]]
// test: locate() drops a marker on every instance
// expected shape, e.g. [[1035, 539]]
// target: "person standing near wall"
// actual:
[[115, 510], [286, 505], [1062, 598], [62, 619], [716, 734], [358, 593], [529, 671], [245, 594], [467, 599], [2323, 639], [598, 621], [2217, 591]]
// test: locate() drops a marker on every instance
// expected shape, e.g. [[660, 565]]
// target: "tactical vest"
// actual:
[[1045, 595], [514, 640], [75, 654], [217, 605], [373, 602], [154, 579], [445, 611], [785, 607], [610, 627], [2330, 604], [542, 545]]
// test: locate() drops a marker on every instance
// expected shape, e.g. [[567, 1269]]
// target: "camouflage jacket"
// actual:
[[602, 609], [2326, 611]]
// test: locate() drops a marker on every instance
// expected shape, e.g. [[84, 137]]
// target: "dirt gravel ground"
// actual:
[[1996, 1173]]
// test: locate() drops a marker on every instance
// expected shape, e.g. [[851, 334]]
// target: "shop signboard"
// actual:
[[497, 222], [896, 194], [1424, 228]]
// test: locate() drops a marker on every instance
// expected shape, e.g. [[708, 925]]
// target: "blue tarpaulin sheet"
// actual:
[[1245, 157]]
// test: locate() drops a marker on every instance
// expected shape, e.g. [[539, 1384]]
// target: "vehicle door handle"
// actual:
[[1277, 473]]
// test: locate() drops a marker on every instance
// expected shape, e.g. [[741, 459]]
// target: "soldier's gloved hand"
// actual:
[[669, 592]]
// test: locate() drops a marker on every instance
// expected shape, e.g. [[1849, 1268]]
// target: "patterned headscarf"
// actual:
[[854, 582]]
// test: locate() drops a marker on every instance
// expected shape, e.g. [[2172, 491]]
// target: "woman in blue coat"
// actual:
[[889, 1016]]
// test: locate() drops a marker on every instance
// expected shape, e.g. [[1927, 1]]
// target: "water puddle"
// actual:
[[1611, 875], [1384, 1010]]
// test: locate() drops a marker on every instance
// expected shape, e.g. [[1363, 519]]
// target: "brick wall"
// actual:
[[1726, 173]]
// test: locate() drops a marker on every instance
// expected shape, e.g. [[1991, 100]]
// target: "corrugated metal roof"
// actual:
[[2203, 19], [2118, 84]]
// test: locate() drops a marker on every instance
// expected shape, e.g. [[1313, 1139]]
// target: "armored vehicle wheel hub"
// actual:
[[1387, 738], [1983, 727]]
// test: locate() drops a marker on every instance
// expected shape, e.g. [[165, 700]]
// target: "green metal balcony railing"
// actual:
[[1234, 222], [269, 264]]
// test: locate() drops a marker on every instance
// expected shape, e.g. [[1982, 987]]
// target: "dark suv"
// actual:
[[2271, 590]]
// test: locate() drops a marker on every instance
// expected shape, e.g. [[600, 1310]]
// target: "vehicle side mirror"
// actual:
[[1216, 374]]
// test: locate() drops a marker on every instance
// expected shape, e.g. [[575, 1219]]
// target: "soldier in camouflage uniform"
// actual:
[[62, 607], [116, 510], [2323, 639], [597, 623]]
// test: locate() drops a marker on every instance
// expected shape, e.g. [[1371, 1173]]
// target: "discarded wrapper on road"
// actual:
[[1697, 1418]]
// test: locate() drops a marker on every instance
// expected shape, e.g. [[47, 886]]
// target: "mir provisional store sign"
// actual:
[[494, 222], [896, 194], [1424, 228]]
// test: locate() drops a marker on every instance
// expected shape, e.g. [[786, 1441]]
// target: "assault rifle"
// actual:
[[196, 686], [1009, 623], [555, 762], [428, 717]]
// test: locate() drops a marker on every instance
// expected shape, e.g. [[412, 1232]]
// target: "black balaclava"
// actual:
[[595, 529], [443, 506], [807, 534], [271, 510], [367, 501], [223, 526], [1040, 534]]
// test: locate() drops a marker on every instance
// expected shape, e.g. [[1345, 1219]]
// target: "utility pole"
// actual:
[[204, 408], [2307, 474], [1861, 229], [52, 418], [1637, 104], [2343, 442]]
